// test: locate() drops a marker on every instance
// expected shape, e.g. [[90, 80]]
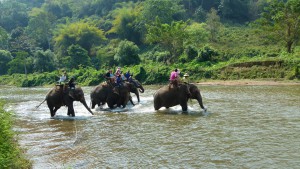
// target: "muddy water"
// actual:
[[245, 127]]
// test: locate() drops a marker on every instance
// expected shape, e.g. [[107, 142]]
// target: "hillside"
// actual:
[[217, 39]]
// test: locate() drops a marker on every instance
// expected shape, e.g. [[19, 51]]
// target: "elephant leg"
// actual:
[[54, 111], [137, 96], [156, 106], [93, 104], [130, 99], [71, 111], [184, 106]]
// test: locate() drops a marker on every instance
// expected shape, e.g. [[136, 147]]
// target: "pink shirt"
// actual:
[[174, 75]]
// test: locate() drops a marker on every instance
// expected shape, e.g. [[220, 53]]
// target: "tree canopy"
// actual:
[[53, 34]]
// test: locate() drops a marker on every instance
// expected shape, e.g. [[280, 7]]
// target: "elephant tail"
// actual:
[[40, 104]]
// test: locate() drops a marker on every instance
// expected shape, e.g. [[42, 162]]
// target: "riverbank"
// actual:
[[11, 155], [249, 82]]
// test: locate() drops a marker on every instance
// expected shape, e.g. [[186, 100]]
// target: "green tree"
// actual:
[[5, 58], [39, 27], [235, 10], [78, 56], [97, 7], [281, 20], [79, 33], [21, 63], [13, 14], [125, 23], [197, 35], [19, 41], [127, 53], [3, 39], [213, 24], [43, 61], [165, 10], [57, 8], [170, 37]]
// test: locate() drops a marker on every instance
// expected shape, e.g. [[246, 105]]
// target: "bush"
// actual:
[[127, 53]]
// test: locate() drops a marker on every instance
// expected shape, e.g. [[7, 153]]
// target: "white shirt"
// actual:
[[62, 78]]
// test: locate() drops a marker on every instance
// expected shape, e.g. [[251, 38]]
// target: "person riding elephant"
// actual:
[[102, 92], [59, 96], [169, 97], [174, 78]]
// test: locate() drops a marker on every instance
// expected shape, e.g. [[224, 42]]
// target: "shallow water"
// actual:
[[244, 127]]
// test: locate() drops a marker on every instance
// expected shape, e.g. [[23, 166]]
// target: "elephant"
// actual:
[[120, 96], [59, 96], [172, 96], [104, 93], [138, 88]]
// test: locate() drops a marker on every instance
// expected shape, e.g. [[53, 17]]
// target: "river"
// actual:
[[244, 127]]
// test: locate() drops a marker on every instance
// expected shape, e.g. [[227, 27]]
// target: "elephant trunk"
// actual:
[[86, 106], [199, 99], [141, 89]]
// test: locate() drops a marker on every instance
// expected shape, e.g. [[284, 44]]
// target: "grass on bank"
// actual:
[[11, 154]]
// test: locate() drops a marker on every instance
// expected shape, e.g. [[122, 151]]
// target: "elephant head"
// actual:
[[195, 94], [60, 96], [138, 85], [78, 95], [136, 88]]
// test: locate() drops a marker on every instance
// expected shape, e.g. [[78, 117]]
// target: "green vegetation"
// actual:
[[216, 39], [11, 156]]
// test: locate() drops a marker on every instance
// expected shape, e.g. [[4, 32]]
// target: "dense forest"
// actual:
[[212, 39]]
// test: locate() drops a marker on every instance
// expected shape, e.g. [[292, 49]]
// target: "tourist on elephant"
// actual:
[[174, 78], [118, 84], [63, 78], [118, 71], [127, 75], [119, 81], [186, 78], [123, 76], [129, 78], [71, 85], [110, 78]]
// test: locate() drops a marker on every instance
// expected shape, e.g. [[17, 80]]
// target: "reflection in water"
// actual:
[[245, 127]]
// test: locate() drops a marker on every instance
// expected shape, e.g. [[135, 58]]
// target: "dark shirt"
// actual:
[[127, 75], [107, 75], [119, 80], [71, 84]]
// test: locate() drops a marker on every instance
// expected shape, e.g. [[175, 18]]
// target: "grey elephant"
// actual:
[[104, 93], [120, 96], [59, 96], [172, 96]]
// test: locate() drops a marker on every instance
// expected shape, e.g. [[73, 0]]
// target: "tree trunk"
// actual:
[[289, 45]]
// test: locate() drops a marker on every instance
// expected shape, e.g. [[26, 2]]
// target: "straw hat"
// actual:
[[186, 75]]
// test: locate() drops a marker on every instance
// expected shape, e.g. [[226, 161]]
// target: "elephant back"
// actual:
[[106, 85]]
